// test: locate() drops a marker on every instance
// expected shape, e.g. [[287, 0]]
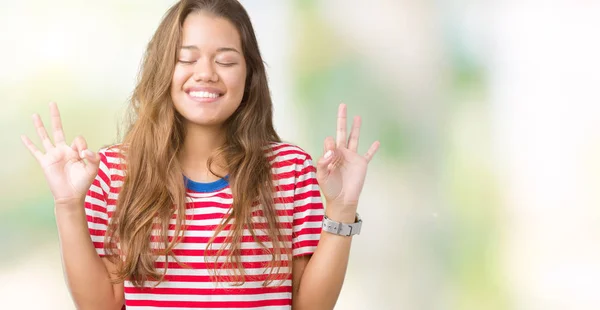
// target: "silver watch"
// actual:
[[342, 229]]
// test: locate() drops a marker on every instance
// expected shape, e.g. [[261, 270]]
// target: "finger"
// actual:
[[326, 159], [92, 159], [354, 134], [79, 144], [336, 161], [341, 126], [41, 131], [93, 162], [32, 148], [372, 150], [329, 144], [59, 136]]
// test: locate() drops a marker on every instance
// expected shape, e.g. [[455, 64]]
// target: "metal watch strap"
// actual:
[[342, 229]]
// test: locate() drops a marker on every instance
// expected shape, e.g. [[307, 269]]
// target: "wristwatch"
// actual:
[[342, 229]]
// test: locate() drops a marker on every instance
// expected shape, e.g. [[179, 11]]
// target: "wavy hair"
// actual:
[[154, 192]]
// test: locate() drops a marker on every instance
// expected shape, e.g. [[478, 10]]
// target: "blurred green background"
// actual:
[[484, 194]]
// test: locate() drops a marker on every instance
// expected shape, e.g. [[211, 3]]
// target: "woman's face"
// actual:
[[210, 74]]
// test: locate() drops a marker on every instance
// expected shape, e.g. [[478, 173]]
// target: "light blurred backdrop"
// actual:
[[484, 194]]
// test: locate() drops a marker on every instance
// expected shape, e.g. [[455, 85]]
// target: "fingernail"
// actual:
[[328, 154], [86, 153]]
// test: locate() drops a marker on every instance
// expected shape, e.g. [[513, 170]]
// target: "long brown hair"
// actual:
[[154, 190]]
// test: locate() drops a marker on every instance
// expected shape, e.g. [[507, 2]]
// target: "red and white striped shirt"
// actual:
[[300, 212]]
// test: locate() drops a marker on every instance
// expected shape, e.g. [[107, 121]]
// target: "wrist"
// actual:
[[69, 205], [342, 214]]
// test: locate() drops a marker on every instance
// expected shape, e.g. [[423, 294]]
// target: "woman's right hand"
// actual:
[[67, 173]]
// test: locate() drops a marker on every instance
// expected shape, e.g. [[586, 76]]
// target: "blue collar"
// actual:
[[206, 187]]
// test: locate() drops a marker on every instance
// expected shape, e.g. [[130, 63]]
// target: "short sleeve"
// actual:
[[96, 205], [308, 210]]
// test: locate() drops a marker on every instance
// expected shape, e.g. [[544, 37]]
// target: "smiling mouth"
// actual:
[[204, 95]]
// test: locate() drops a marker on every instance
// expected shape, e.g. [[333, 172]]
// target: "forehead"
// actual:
[[207, 31]]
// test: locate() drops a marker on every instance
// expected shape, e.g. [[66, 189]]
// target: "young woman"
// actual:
[[202, 205]]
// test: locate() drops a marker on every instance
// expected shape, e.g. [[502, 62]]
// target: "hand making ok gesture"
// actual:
[[69, 170], [341, 171]]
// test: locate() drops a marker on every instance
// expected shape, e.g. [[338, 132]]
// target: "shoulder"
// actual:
[[112, 157], [290, 162], [284, 151]]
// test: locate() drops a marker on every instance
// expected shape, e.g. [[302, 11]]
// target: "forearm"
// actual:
[[324, 274], [85, 272]]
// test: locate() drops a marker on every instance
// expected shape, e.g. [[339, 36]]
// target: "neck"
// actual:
[[200, 142]]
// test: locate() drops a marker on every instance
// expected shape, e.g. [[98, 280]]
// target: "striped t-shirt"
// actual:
[[300, 212]]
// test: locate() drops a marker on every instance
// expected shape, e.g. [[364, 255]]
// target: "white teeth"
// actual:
[[203, 94]]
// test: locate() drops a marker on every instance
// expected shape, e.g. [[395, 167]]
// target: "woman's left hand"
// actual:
[[341, 170]]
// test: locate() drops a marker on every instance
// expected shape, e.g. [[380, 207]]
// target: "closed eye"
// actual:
[[187, 62], [226, 64]]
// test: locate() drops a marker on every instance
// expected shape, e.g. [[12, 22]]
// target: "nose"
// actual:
[[204, 71]]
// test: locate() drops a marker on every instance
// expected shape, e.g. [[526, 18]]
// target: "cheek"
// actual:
[[236, 81], [179, 77]]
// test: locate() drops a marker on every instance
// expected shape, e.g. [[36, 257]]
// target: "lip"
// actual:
[[205, 89]]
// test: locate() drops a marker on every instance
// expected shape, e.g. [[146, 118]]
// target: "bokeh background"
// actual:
[[484, 194]]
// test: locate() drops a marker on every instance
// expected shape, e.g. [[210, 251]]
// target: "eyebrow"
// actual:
[[219, 50]]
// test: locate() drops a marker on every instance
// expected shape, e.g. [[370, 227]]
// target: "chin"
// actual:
[[201, 120], [206, 114]]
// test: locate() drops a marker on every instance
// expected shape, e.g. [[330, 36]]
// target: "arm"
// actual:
[[69, 172], [87, 274], [317, 281]]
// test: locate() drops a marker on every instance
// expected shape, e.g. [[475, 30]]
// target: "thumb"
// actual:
[[93, 161], [327, 158]]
